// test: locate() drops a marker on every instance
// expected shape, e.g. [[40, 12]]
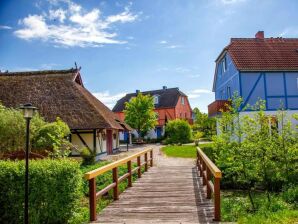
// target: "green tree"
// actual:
[[44, 135], [140, 115], [178, 131], [203, 123]]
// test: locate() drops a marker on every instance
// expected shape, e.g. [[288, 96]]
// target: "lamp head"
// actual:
[[28, 110]]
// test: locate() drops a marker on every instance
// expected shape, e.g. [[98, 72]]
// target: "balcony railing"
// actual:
[[217, 107]]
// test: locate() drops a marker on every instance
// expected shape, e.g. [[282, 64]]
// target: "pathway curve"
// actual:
[[170, 192]]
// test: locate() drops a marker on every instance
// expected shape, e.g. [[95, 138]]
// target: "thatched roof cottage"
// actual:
[[61, 93]]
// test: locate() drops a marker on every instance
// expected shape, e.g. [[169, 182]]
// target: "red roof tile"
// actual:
[[268, 54]]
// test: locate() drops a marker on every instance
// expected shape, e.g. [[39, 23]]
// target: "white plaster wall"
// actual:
[[88, 138], [288, 117], [76, 141]]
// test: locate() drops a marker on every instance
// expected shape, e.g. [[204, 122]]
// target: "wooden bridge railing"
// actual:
[[207, 169], [91, 177]]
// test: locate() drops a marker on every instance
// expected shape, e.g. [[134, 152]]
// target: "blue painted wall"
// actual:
[[229, 78], [279, 89]]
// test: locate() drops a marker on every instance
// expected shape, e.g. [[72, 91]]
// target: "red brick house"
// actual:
[[170, 104]]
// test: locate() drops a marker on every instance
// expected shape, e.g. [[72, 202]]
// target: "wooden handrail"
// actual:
[[207, 168], [91, 177]]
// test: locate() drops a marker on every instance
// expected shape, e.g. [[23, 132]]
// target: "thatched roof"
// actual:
[[57, 93]]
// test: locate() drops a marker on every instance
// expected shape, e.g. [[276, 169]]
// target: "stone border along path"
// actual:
[[170, 192]]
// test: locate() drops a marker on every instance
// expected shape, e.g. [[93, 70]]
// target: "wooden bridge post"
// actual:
[[151, 157], [216, 199], [129, 178], [115, 180], [139, 166], [203, 170], [146, 162], [92, 199], [208, 187]]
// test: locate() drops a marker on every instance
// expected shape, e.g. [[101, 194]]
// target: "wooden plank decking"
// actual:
[[167, 193]]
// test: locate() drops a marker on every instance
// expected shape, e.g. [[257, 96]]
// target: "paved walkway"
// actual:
[[170, 192]]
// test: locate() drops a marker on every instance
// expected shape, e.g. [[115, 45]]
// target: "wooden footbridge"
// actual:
[[171, 191]]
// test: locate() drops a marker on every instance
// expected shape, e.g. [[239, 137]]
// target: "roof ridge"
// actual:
[[148, 91], [39, 72]]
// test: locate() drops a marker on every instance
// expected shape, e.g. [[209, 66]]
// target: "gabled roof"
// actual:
[[263, 54], [57, 93], [168, 98]]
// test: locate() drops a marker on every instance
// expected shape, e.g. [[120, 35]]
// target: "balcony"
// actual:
[[217, 107]]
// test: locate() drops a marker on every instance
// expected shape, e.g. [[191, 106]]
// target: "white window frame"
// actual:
[[156, 99], [224, 65], [182, 100]]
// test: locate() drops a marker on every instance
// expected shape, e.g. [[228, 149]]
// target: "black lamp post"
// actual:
[[28, 111]]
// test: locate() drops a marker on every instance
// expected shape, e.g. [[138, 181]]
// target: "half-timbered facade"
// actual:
[[258, 68], [169, 103], [61, 93]]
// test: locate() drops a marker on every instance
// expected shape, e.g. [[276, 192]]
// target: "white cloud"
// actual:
[[193, 96], [196, 93], [108, 99], [163, 42], [59, 14], [73, 26], [201, 91], [173, 46], [5, 27]]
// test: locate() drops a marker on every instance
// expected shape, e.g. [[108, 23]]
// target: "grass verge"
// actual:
[[184, 151]]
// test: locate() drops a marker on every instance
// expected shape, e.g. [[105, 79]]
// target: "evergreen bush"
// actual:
[[55, 189]]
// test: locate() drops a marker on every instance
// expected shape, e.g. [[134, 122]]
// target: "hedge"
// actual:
[[55, 190]]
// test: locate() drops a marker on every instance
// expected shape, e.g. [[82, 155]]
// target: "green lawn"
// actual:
[[184, 151]]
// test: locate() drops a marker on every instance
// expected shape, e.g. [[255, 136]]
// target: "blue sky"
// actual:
[[127, 45]]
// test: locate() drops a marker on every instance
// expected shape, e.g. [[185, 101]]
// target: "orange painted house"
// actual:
[[170, 104]]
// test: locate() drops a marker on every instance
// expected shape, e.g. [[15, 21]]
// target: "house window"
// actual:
[[224, 65], [182, 100], [185, 115], [180, 115], [229, 92], [155, 99]]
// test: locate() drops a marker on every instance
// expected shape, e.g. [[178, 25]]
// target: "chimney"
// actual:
[[137, 91], [260, 35], [164, 87]]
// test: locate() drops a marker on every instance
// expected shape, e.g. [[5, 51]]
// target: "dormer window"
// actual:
[[182, 100], [155, 99], [224, 65]]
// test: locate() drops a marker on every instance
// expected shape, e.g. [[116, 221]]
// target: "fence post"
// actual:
[[115, 180], [151, 157], [139, 165], [203, 169], [129, 179], [146, 162], [208, 187], [216, 199], [92, 199]]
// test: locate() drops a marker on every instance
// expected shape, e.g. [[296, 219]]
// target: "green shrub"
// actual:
[[55, 190], [290, 195], [178, 131]]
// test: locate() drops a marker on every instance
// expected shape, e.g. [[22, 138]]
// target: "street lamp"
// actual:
[[28, 112]]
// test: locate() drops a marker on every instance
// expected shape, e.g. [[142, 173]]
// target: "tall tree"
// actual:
[[203, 123], [140, 115]]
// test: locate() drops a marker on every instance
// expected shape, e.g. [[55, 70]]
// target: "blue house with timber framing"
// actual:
[[258, 68]]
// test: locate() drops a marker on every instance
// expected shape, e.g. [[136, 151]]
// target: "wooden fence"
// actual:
[[91, 177], [208, 170]]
